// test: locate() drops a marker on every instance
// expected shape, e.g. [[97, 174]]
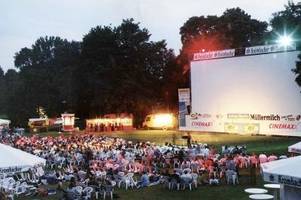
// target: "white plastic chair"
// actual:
[[187, 182], [88, 192], [235, 179], [108, 190], [195, 179]]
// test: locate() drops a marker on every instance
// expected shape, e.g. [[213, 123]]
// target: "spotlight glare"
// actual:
[[285, 40]]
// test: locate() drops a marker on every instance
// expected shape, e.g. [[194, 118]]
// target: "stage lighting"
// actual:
[[285, 40]]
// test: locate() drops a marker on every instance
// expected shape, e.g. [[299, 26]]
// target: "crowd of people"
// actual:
[[102, 163]]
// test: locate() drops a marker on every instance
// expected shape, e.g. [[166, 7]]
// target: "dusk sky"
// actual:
[[24, 21]]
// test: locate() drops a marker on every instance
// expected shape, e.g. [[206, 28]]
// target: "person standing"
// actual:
[[188, 140]]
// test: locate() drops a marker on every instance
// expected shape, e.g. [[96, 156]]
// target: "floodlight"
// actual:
[[285, 40], [163, 120]]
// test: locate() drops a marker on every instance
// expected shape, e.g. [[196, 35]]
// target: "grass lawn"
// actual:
[[255, 144], [204, 192]]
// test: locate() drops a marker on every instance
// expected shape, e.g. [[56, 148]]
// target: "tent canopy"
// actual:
[[295, 148], [15, 160], [4, 122], [285, 171]]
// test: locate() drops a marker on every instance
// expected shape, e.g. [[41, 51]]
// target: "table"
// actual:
[[275, 187], [256, 191], [272, 186], [261, 196]]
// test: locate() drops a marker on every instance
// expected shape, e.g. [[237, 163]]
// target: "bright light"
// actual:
[[163, 120], [285, 40]]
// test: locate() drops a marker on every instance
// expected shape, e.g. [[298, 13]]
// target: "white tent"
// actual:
[[14, 160], [4, 123], [286, 172], [295, 148]]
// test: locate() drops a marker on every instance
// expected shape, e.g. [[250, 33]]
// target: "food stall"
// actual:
[[110, 122]]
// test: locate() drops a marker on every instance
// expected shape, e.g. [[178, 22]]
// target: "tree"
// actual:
[[2, 91], [287, 22], [46, 72], [233, 29], [13, 99], [113, 70], [297, 70], [125, 69]]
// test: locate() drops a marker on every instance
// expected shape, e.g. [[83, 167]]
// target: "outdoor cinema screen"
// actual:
[[248, 94]]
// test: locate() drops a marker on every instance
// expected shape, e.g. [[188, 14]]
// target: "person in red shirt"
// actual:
[[254, 165], [272, 157]]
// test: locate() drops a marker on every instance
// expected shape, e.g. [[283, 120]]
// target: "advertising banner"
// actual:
[[184, 105]]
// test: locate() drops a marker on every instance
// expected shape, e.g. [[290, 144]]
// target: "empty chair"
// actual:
[[87, 192], [108, 190], [194, 179], [186, 181], [173, 182]]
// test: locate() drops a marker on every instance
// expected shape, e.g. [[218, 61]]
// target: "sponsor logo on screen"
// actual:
[[291, 118], [283, 126], [214, 54], [238, 116], [198, 115], [201, 124], [251, 128], [271, 117], [268, 49]]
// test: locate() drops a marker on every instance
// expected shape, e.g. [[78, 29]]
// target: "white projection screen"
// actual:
[[249, 94]]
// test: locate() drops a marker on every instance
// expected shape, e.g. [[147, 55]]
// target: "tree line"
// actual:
[[119, 69]]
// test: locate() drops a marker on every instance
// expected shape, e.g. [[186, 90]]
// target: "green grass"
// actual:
[[255, 144], [49, 133], [204, 192]]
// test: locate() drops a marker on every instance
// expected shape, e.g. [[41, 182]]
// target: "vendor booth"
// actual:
[[38, 124], [44, 124], [68, 122], [13, 160], [287, 173], [295, 148], [110, 122]]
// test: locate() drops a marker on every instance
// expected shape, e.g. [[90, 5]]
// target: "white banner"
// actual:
[[268, 49], [214, 54], [266, 124], [184, 95]]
